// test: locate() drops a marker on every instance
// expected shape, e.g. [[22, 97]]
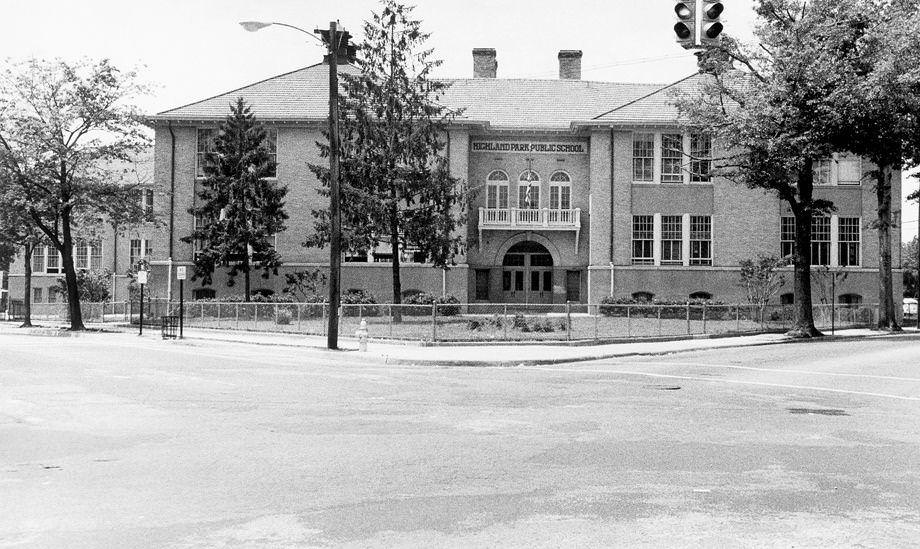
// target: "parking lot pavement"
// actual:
[[118, 441]]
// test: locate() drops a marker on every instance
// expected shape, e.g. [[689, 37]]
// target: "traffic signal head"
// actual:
[[711, 27], [685, 28]]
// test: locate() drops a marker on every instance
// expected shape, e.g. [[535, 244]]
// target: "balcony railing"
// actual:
[[521, 218]]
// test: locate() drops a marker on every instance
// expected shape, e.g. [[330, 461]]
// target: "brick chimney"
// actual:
[[484, 63], [570, 64]]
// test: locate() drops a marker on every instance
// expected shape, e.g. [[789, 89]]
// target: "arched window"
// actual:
[[705, 296], [850, 299], [643, 297], [497, 190], [203, 293], [529, 191], [560, 191]]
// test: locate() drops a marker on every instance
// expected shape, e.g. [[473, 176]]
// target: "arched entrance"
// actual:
[[527, 274]]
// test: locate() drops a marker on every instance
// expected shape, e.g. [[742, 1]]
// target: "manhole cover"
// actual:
[[818, 411]]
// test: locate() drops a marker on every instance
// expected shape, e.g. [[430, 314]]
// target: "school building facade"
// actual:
[[584, 190]]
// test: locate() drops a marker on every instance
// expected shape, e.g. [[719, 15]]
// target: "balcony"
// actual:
[[543, 219]]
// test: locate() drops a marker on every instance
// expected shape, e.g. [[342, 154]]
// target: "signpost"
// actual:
[[180, 274], [142, 280]]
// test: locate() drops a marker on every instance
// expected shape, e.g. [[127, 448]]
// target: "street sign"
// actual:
[[180, 273], [141, 277]]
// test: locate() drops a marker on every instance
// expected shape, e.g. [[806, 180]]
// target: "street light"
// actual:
[[336, 39]]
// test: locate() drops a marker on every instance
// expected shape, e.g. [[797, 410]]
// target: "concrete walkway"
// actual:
[[466, 355]]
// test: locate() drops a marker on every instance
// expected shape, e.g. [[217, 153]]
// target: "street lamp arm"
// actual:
[[253, 26]]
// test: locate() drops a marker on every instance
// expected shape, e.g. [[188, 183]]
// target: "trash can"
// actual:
[[170, 327]]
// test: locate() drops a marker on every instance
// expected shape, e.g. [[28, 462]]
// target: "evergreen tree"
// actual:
[[396, 188], [769, 105], [242, 206]]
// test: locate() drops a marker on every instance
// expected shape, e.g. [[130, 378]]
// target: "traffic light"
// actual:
[[685, 28], [711, 27]]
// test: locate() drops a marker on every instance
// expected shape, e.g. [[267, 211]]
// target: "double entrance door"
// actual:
[[527, 278]]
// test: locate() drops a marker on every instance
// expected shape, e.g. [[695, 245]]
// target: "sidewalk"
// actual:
[[501, 355], [465, 355]]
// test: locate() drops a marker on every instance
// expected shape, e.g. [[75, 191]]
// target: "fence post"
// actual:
[[323, 309], [276, 313], [360, 311], [628, 322], [704, 317], [256, 316], [201, 315], [505, 321], [596, 314], [298, 317], [237, 309], [218, 314], [659, 321], [737, 318], [688, 318], [568, 321], [391, 320], [434, 322]]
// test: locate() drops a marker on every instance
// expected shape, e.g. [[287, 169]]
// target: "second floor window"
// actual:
[[700, 157], [560, 191], [822, 171], [529, 191], [271, 139], [205, 147], [644, 157], [672, 158], [497, 190], [147, 202]]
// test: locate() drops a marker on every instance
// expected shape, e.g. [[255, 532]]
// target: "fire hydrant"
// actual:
[[361, 334]]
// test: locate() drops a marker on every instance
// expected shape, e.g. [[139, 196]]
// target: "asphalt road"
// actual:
[[116, 441]]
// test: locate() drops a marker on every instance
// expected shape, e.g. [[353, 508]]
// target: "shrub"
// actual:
[[284, 317], [475, 325], [356, 296], [418, 303]]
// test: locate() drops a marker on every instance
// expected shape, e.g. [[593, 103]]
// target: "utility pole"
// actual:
[[918, 261], [334, 38]]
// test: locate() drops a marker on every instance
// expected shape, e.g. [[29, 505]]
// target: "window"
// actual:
[[672, 239], [95, 256], [36, 295], [820, 240], [848, 241], [700, 240], [671, 156], [271, 142], [140, 249], [81, 256], [643, 297], [205, 148], [482, 284], [643, 238], [38, 259], [497, 190], [850, 300], [359, 256], [822, 172], [787, 236], [701, 157], [643, 157], [203, 293], [145, 199], [849, 170], [52, 295], [529, 191], [53, 260], [560, 191]]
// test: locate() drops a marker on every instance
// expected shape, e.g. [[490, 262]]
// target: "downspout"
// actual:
[[172, 206]]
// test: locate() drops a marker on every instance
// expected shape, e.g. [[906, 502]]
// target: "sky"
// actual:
[[192, 49]]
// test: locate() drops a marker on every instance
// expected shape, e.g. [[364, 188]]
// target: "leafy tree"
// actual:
[[304, 286], [17, 231], [880, 94], [242, 207], [761, 278], [67, 131], [909, 263], [395, 184], [94, 287], [767, 104]]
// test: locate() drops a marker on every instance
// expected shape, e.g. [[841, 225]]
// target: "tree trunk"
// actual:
[[70, 273], [887, 316], [27, 288], [804, 324], [394, 249]]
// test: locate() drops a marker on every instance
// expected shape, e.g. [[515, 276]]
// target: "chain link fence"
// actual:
[[472, 322]]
